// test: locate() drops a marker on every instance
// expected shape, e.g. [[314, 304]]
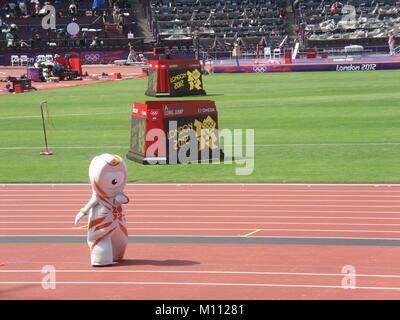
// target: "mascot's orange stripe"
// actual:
[[103, 226], [123, 228], [100, 190], [105, 200], [95, 222], [118, 160], [101, 238]]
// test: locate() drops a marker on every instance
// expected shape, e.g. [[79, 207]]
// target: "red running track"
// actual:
[[208, 270]]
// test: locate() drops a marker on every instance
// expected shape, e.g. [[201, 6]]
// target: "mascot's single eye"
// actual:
[[113, 180]]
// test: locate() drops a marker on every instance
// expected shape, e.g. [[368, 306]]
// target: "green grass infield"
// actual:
[[309, 127]]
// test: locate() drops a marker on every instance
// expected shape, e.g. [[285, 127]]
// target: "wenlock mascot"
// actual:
[[107, 231]]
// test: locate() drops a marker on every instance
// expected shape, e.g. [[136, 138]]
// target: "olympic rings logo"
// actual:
[[92, 57]]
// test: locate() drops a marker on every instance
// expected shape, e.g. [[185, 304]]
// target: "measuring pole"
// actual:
[[46, 152]]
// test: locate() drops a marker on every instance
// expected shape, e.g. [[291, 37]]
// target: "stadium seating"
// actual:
[[187, 25], [354, 22], [29, 33], [175, 23]]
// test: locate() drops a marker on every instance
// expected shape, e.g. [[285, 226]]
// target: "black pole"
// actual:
[[43, 124]]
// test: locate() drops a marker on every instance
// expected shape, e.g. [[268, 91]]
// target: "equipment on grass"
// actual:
[[175, 78], [174, 131]]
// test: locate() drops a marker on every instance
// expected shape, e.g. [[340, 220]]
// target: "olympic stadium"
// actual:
[[294, 103]]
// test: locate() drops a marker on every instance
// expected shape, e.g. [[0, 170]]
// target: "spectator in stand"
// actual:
[[83, 40], [104, 17], [334, 8], [58, 68], [37, 8], [391, 41], [6, 11], [95, 42], [12, 7], [116, 13], [282, 13], [38, 40], [23, 7], [31, 42], [62, 38], [10, 39], [121, 21], [13, 28], [23, 44], [73, 40], [18, 9], [73, 10], [132, 53]]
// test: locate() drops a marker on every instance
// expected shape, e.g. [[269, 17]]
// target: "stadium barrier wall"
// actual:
[[335, 66], [87, 57]]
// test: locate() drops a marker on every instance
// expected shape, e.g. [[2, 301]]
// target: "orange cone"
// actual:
[[18, 88], [117, 76]]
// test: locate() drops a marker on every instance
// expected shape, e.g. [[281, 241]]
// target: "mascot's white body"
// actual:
[[107, 232]]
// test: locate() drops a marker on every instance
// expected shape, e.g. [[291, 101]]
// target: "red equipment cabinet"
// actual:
[[74, 64], [183, 125], [175, 78]]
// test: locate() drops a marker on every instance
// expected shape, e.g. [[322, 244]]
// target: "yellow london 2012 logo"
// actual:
[[194, 79], [205, 132]]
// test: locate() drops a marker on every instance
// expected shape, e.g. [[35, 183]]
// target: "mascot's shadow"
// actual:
[[167, 263]]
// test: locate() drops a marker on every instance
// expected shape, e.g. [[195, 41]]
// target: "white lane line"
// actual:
[[132, 210], [201, 236], [208, 200], [223, 229], [243, 184], [254, 145], [325, 144], [62, 115], [196, 204], [85, 194], [197, 191], [206, 272], [196, 284], [133, 222], [130, 216], [58, 147]]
